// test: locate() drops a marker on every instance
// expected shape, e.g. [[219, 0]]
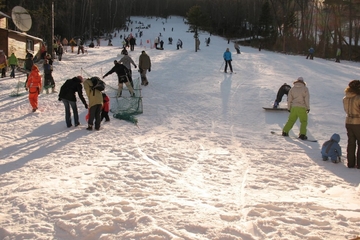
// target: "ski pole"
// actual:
[[221, 66]]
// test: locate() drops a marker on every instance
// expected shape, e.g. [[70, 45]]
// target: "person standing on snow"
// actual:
[[49, 80], [122, 73], [338, 54], [33, 85], [237, 47], [13, 62], [106, 108], [3, 63], [227, 58], [144, 66], [299, 107], [311, 53], [179, 44], [95, 103], [68, 97], [127, 61], [284, 89], [351, 103]]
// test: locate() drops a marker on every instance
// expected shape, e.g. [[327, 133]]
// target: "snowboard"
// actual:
[[293, 137], [275, 109]]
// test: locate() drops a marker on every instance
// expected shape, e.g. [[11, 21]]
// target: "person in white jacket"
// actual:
[[299, 107]]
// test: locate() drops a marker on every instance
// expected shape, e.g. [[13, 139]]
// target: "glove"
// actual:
[[307, 111], [26, 89], [59, 99], [135, 66], [86, 106], [149, 69]]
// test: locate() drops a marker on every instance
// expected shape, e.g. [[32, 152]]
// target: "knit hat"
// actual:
[[300, 80]]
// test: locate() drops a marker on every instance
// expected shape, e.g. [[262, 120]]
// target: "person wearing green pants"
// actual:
[[299, 107]]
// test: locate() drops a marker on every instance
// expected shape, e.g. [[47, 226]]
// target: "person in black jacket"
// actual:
[[68, 97], [122, 73], [284, 89]]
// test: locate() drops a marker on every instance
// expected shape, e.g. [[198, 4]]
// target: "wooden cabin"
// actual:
[[17, 42]]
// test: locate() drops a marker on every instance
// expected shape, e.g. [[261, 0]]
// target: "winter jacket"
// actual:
[[299, 96], [127, 61], [29, 62], [34, 82], [106, 105], [351, 103], [13, 60], [331, 148], [69, 88], [121, 72], [227, 55], [311, 50], [95, 96], [144, 61]]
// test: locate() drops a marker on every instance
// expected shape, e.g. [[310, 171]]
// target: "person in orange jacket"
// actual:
[[33, 85]]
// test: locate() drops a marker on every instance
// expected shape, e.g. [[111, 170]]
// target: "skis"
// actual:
[[293, 137], [228, 72], [275, 109]]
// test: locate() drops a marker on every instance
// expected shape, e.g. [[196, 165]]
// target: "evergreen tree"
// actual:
[[197, 20]]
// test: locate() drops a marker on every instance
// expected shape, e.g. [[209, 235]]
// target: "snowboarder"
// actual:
[[299, 107], [284, 89]]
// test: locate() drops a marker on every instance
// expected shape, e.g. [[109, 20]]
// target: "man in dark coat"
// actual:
[[144, 66], [122, 73], [67, 96]]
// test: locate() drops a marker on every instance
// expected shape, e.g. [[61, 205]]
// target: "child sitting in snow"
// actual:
[[331, 149]]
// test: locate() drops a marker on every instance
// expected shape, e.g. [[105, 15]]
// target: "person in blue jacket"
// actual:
[[331, 149], [228, 59], [311, 53]]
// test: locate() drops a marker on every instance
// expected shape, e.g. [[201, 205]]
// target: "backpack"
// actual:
[[98, 84]]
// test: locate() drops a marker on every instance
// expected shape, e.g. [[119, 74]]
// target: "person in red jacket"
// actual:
[[106, 108], [33, 85]]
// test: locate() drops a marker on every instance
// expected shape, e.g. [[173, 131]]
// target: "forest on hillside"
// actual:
[[288, 26]]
